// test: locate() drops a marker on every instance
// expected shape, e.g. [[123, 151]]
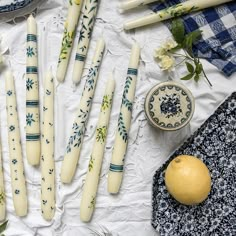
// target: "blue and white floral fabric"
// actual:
[[218, 25], [215, 144]]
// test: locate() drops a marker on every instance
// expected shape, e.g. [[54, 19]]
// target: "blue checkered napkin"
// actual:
[[218, 25]]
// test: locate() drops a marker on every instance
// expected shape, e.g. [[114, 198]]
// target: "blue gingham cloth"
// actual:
[[218, 25]]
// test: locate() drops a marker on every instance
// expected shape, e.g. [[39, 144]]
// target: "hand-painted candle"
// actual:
[[75, 141], [121, 139], [47, 155], [126, 5], [2, 191], [84, 38], [15, 151], [174, 11], [32, 95], [93, 174], [68, 37]]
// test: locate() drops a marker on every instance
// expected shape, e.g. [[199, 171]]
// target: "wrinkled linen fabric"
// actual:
[[129, 213]]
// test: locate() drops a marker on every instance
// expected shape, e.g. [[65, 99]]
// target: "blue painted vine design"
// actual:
[[88, 27], [78, 131], [121, 128], [93, 71], [125, 100]]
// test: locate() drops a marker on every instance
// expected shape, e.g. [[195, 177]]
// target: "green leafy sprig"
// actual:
[[185, 42], [3, 227]]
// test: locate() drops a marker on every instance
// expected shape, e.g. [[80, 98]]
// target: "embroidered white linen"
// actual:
[[128, 213]]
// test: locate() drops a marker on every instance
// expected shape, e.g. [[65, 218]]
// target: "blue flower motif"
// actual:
[[9, 92], [11, 128], [30, 52], [29, 119], [14, 161], [17, 191], [29, 84]]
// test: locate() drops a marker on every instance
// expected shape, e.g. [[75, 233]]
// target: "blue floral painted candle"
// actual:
[[32, 95], [47, 155], [18, 183]]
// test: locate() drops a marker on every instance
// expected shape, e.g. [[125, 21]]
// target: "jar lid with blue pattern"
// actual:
[[169, 106]]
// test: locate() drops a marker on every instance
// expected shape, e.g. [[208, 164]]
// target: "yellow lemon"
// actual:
[[188, 180]]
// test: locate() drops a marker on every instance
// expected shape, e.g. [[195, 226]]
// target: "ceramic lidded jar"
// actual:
[[169, 106]]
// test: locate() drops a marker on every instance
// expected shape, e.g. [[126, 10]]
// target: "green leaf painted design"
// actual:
[[67, 42], [91, 163], [92, 203], [101, 134], [3, 226], [106, 102], [29, 119], [2, 197], [121, 128], [177, 10]]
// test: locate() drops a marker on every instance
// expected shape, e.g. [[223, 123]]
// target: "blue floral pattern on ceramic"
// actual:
[[169, 106], [214, 144], [14, 5]]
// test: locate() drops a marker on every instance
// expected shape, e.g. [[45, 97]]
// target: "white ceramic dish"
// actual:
[[169, 106], [10, 9]]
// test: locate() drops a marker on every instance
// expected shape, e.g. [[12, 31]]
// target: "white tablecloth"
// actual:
[[128, 213]]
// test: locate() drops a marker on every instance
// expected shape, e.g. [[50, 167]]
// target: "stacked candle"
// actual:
[[2, 191], [75, 141], [32, 95], [173, 11], [68, 37], [126, 5], [93, 174], [15, 150], [121, 139], [47, 156], [84, 38]]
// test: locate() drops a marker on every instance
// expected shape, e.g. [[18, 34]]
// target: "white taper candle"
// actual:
[[47, 156], [127, 5], [173, 11], [93, 174], [68, 37], [32, 95], [121, 139], [2, 190], [73, 148], [18, 183], [84, 38]]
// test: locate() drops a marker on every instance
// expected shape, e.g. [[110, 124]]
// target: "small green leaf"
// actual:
[[187, 77], [199, 68], [196, 77], [189, 67], [3, 226], [188, 44], [177, 29], [195, 35]]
